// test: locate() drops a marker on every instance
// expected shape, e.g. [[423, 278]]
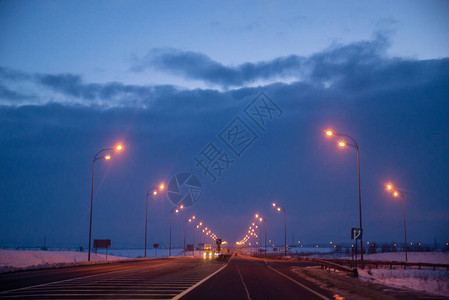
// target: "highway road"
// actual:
[[187, 278], [249, 278]]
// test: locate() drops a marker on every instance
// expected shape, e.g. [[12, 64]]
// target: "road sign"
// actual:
[[356, 233], [102, 243]]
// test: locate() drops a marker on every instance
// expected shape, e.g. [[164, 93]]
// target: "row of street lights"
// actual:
[[153, 191], [342, 143]]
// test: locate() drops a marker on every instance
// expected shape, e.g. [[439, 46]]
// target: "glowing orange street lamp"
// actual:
[[400, 195], [153, 191], [354, 144], [176, 210], [97, 156]]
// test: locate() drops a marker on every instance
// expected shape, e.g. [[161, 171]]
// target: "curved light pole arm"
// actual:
[[102, 150]]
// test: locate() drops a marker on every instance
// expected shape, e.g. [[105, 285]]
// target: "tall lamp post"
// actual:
[[354, 144], [153, 191], [97, 156], [190, 221], [174, 210], [400, 195], [259, 217], [193, 236], [279, 208]]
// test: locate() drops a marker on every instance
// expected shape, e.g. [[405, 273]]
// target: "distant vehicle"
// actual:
[[207, 251]]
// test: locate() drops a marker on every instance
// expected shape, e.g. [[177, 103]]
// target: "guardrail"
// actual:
[[332, 265], [347, 265]]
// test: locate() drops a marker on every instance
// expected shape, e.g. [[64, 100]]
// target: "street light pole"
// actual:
[[398, 194], [257, 216], [279, 208], [187, 220], [176, 210], [285, 232], [153, 191], [265, 223], [405, 229], [356, 146], [96, 157], [184, 250]]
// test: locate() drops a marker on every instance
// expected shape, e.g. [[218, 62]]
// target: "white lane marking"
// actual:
[[246, 289], [71, 279], [84, 295], [300, 284], [199, 283]]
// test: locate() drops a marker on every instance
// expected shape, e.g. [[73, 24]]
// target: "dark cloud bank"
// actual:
[[396, 108]]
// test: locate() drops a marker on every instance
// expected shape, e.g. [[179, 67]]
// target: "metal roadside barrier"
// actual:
[[331, 265]]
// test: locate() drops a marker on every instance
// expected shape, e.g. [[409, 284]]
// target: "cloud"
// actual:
[[72, 85], [17, 97], [353, 69], [199, 66], [323, 66], [360, 66]]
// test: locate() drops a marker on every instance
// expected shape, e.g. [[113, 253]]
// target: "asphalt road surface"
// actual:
[[248, 278], [187, 278]]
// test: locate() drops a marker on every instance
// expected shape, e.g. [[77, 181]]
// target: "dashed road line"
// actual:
[[244, 285]]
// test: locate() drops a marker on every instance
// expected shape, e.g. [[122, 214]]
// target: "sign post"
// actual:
[[102, 244], [155, 246], [356, 234]]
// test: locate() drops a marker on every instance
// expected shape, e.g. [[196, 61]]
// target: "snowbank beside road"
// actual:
[[30, 259], [427, 280], [434, 282], [418, 257]]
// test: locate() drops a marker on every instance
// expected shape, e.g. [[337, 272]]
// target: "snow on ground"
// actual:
[[434, 282], [30, 259], [424, 257], [427, 280]]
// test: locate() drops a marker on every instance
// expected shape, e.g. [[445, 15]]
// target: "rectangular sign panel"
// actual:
[[102, 243], [356, 233]]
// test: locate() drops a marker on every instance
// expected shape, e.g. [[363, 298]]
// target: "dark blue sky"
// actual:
[[54, 119]]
